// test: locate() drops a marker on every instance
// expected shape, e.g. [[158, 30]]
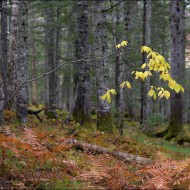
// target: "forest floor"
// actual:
[[40, 156]]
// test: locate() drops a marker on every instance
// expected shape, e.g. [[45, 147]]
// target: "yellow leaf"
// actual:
[[152, 54], [149, 73], [161, 68], [128, 85], [154, 95], [146, 74], [166, 94], [177, 88], [181, 88], [160, 93], [107, 95], [167, 64], [109, 98], [122, 84], [124, 43], [151, 92], [146, 49], [112, 91], [143, 66], [118, 46]]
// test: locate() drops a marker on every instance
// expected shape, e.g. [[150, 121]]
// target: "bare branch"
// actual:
[[50, 72], [112, 6]]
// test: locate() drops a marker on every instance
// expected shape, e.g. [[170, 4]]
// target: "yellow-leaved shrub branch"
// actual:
[[155, 63]]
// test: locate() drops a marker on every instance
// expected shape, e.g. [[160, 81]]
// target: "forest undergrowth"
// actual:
[[40, 156]]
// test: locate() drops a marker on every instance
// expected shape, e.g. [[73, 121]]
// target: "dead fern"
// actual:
[[28, 159], [167, 174]]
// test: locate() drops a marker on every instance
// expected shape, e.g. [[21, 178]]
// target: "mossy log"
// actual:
[[102, 150]]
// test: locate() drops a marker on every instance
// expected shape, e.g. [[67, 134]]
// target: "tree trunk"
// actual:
[[4, 50], [82, 107], [104, 116], [177, 14], [116, 19], [131, 25], [46, 87], [22, 62], [32, 42], [53, 78], [3, 61], [57, 53], [11, 67], [145, 99]]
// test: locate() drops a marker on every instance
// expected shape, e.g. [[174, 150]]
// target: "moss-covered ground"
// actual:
[[38, 155]]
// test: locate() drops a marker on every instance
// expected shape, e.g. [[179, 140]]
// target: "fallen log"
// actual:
[[102, 150]]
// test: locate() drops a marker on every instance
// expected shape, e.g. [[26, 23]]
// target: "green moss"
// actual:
[[83, 119], [50, 115], [173, 131], [105, 123]]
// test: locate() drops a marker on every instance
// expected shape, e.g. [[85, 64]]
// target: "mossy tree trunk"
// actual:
[[104, 116], [82, 107], [177, 14]]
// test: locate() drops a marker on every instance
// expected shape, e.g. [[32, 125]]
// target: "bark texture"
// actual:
[[177, 13], [51, 64], [11, 67], [4, 49], [131, 25], [145, 99], [104, 117], [119, 67], [3, 60], [22, 62], [82, 107]]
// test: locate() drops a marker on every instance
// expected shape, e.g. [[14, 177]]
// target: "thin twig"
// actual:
[[50, 72], [112, 6]]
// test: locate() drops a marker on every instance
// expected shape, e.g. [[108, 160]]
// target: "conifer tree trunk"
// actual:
[[11, 67], [82, 107], [131, 25], [57, 53], [177, 13], [4, 49], [45, 90], [53, 78], [145, 100], [116, 19], [3, 59], [22, 62], [34, 69], [104, 116]]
